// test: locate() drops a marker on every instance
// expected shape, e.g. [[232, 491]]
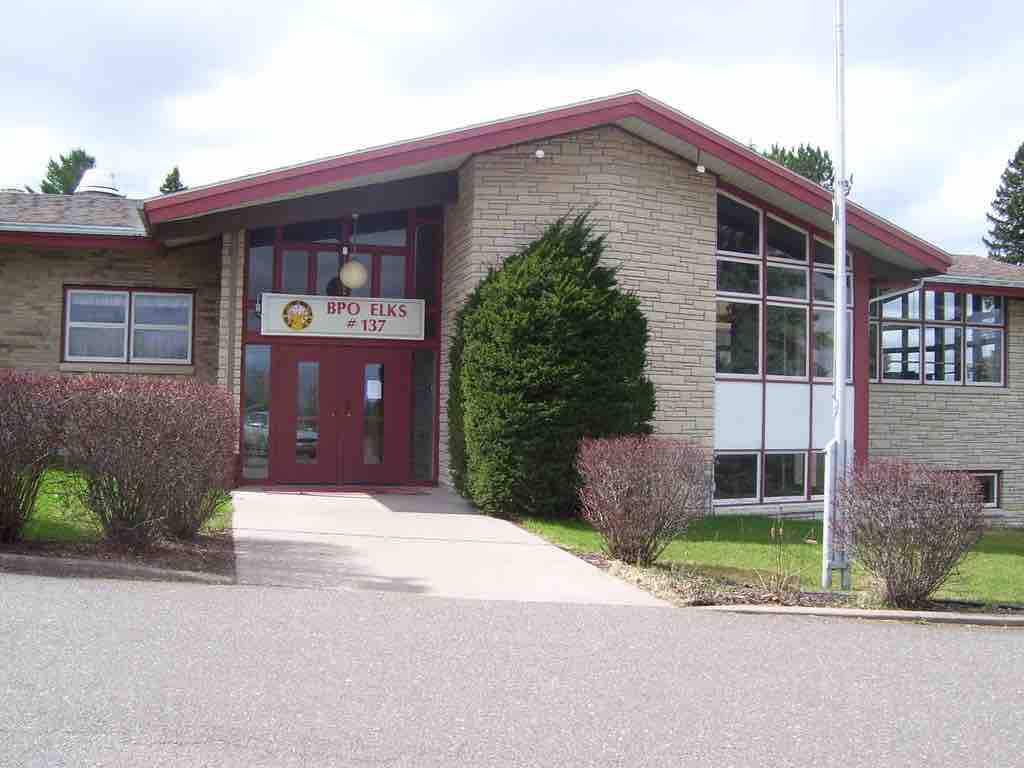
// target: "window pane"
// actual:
[[96, 342], [824, 321], [381, 228], [873, 349], [295, 272], [162, 309], [736, 476], [785, 242], [739, 227], [256, 420], [984, 353], [818, 473], [739, 277], [825, 287], [373, 414], [905, 307], [901, 353], [97, 307], [988, 486], [942, 305], [823, 254], [160, 345], [942, 354], [327, 265], [736, 337], [786, 340], [327, 231], [261, 280], [307, 413], [392, 276], [424, 404], [426, 269], [787, 283], [783, 474], [987, 310]]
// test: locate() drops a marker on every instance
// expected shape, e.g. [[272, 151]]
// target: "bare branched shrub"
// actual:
[[156, 454], [31, 413], [641, 492], [908, 525]]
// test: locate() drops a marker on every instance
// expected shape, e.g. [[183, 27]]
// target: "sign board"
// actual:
[[341, 316]]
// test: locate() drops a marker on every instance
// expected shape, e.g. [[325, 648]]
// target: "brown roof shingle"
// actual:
[[982, 267], [71, 213]]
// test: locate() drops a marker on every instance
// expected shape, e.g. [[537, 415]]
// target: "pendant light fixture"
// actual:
[[353, 275]]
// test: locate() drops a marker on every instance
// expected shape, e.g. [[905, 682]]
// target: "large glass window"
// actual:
[[295, 272], [739, 227], [736, 476], [117, 326], [785, 475], [380, 229], [786, 283], [786, 341], [784, 242], [737, 332], [260, 279], [959, 339], [424, 405]]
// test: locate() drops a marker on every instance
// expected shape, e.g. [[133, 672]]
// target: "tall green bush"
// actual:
[[549, 350]]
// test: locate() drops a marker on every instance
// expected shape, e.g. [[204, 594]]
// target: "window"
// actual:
[[939, 337], [739, 227], [737, 334], [817, 473], [785, 242], [825, 287], [737, 476], [786, 341], [739, 277], [989, 482], [784, 475], [118, 326], [824, 332], [786, 283]]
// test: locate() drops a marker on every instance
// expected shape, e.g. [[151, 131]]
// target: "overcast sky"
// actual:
[[935, 102]]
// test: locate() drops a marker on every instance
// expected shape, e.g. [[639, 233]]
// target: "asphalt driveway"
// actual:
[[426, 542]]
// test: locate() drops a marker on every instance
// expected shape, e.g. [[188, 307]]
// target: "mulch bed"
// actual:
[[208, 553], [686, 588]]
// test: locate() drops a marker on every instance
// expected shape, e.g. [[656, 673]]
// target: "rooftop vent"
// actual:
[[12, 189], [98, 182]]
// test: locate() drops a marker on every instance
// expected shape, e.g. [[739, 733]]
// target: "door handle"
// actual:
[[348, 407]]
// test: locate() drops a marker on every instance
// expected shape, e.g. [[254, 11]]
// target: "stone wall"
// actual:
[[32, 285], [659, 217], [957, 427]]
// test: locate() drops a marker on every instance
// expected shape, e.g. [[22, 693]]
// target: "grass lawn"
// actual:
[[58, 519], [737, 547]]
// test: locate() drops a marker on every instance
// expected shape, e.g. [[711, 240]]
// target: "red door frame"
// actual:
[[321, 464], [278, 348]]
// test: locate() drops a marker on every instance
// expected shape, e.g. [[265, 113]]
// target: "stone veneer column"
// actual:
[[229, 343], [658, 215]]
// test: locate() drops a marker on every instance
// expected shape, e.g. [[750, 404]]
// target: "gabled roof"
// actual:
[[636, 112], [979, 272], [81, 214]]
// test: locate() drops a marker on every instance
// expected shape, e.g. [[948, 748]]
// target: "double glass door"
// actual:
[[341, 416]]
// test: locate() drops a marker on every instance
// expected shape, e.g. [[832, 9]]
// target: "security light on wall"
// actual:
[[353, 275], [700, 165]]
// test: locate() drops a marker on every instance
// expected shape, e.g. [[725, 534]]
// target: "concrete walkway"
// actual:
[[429, 543]]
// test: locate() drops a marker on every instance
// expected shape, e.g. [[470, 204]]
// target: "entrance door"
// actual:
[[304, 448], [376, 415], [341, 415]]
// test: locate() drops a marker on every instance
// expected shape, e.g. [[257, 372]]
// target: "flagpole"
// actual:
[[837, 454]]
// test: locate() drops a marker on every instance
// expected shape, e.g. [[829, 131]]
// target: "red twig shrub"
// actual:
[[156, 454], [909, 525], [641, 492], [31, 413]]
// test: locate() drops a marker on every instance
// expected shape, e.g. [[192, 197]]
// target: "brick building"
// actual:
[[323, 296]]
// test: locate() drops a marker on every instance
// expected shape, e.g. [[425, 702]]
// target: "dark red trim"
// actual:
[[861, 356], [111, 243], [518, 130], [977, 289]]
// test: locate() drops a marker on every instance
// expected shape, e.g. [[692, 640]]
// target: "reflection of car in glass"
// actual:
[[256, 433], [307, 434]]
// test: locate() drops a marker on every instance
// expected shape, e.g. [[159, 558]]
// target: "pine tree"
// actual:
[[812, 163], [62, 178], [172, 182], [1005, 240]]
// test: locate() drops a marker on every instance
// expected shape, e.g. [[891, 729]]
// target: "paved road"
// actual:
[[107, 673]]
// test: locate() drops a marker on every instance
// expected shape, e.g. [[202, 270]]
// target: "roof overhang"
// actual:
[[54, 238], [731, 161], [969, 284]]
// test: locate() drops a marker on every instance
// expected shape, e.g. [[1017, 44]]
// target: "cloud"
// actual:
[[227, 90]]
